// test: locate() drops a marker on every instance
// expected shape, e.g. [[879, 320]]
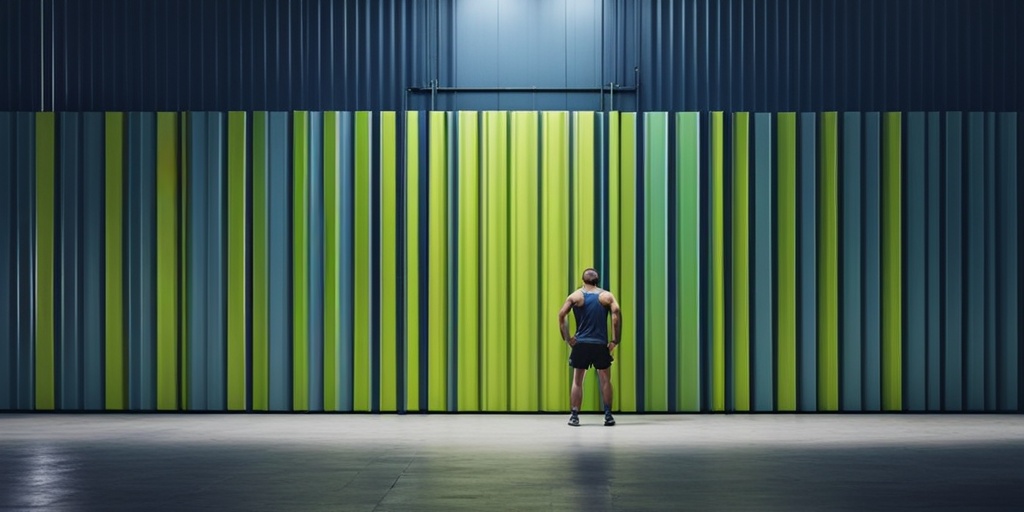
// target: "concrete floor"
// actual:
[[510, 462]]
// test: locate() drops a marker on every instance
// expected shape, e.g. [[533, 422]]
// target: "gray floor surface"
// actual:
[[510, 462]]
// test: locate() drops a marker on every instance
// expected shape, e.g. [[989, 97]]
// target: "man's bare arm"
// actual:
[[563, 324], [616, 323]]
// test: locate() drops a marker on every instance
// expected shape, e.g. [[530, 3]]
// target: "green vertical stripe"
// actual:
[[614, 270], [332, 260], [892, 270], [786, 243], [45, 233], [717, 261], [437, 271], [469, 264], [389, 263], [412, 261], [362, 370], [260, 267], [236, 263], [496, 283], [741, 262], [687, 264], [828, 265], [300, 261], [554, 226], [523, 256], [114, 364], [656, 262], [625, 359], [584, 183], [167, 260]]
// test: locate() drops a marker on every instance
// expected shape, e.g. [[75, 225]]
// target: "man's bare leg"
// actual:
[[605, 377], [576, 395]]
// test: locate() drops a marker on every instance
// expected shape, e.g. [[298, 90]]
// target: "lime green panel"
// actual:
[[584, 197], [236, 264], [260, 297], [469, 262], [494, 292], [625, 357], [741, 261], [524, 253], [167, 261], [332, 260], [300, 261], [389, 262], [614, 270], [688, 252], [717, 261], [437, 271], [554, 247], [45, 229], [892, 270], [828, 265], [786, 275], [362, 370], [412, 262], [656, 261], [114, 346]]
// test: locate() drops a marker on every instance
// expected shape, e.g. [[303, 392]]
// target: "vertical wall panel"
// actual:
[[413, 260], [92, 260], [717, 201], [68, 279], [892, 263], [688, 261], [554, 248], [954, 261], [8, 293], [627, 292], [346, 268], [916, 299], [114, 349], [237, 288], [762, 296], [872, 299], [786, 391], [362, 301], [260, 319], [279, 263], [584, 182], [807, 263], [141, 272], [740, 271], [300, 261], [437, 268], [45, 237], [974, 263], [25, 255], [656, 269], [316, 262], [935, 332], [524, 254], [1008, 328], [388, 261], [494, 328], [167, 200], [828, 264], [850, 262], [469, 261]]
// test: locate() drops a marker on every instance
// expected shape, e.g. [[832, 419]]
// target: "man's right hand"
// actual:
[[572, 341]]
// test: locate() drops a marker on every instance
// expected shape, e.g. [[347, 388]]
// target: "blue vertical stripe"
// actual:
[[279, 263], [851, 264], [933, 291], [216, 261], [7, 277], [1009, 262], [24, 266], [974, 332], [764, 263], [316, 262], [871, 385], [93, 175], [807, 264], [953, 272], [346, 153], [991, 258], [68, 282], [914, 360], [141, 164], [197, 261]]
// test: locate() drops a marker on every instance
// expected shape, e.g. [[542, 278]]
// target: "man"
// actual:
[[590, 345]]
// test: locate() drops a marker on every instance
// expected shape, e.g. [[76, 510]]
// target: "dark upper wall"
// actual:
[[765, 55]]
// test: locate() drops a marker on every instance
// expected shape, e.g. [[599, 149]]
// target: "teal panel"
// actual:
[[935, 330], [974, 263], [763, 258], [69, 278], [92, 260], [807, 263], [1008, 300], [851, 262], [872, 251], [915, 303], [953, 399]]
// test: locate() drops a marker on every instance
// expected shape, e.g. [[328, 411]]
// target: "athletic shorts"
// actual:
[[585, 355]]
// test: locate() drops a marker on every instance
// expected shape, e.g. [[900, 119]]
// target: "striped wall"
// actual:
[[380, 261]]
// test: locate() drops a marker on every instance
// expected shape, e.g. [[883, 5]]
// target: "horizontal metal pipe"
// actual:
[[516, 89]]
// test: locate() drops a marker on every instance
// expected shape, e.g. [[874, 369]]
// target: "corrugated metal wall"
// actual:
[[295, 261], [691, 55]]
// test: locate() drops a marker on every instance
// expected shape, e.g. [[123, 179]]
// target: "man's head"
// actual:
[[590, 277]]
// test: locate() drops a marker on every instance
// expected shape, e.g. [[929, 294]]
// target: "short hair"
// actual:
[[591, 277]]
